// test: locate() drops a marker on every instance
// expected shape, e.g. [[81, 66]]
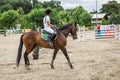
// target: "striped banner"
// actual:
[[106, 31]]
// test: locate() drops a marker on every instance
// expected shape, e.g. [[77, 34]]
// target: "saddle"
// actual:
[[46, 35]]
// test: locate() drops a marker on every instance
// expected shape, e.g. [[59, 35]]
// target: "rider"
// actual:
[[48, 26]]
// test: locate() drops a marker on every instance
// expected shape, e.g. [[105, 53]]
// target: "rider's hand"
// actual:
[[52, 26]]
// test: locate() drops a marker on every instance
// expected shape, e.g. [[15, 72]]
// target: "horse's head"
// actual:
[[73, 30]]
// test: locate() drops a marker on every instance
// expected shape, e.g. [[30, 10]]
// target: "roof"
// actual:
[[98, 15], [94, 22]]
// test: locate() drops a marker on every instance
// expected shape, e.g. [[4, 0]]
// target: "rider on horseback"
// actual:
[[48, 26]]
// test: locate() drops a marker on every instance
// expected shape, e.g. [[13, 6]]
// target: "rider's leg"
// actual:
[[53, 33]]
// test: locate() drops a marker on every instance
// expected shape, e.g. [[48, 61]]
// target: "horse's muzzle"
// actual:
[[74, 37]]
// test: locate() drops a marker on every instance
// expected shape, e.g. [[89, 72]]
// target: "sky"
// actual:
[[88, 5]]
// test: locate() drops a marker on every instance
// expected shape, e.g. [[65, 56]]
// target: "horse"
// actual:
[[33, 39]]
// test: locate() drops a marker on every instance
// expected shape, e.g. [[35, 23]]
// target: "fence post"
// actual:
[[81, 33], [36, 53], [117, 32]]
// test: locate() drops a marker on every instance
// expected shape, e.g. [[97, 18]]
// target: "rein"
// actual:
[[64, 30]]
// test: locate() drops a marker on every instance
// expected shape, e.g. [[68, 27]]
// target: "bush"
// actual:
[[36, 17], [104, 22], [9, 19]]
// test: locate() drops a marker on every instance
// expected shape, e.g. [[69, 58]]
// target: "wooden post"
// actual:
[[36, 53], [4, 33]]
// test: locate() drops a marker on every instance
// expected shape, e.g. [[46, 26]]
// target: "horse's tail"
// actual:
[[19, 51]]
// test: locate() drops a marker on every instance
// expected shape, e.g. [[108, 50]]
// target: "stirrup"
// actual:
[[50, 43]]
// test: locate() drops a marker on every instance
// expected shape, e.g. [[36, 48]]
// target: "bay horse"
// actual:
[[33, 39]]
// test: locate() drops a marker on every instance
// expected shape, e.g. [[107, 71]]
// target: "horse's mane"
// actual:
[[64, 27]]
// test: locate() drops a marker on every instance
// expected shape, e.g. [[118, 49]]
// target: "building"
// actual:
[[97, 18]]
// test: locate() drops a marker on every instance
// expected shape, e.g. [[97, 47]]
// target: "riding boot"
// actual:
[[49, 42], [51, 38]]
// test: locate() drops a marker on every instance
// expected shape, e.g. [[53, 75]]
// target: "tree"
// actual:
[[6, 7], [76, 14], [38, 5], [62, 15], [104, 22], [36, 17], [114, 18], [20, 11], [110, 7], [80, 16], [9, 19], [55, 19], [35, 2], [52, 4], [25, 4], [86, 19], [0, 23]]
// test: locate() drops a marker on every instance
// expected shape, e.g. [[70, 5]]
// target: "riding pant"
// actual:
[[50, 30]]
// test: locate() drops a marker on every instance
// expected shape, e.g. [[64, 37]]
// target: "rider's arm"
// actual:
[[48, 21], [49, 24]]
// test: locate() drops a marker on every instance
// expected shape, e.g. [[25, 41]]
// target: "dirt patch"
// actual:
[[92, 60]]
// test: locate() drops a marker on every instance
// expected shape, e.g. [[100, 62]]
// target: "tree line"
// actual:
[[30, 13], [112, 8]]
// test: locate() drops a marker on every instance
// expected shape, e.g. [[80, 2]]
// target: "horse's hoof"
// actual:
[[27, 67], [52, 68], [71, 67], [15, 67]]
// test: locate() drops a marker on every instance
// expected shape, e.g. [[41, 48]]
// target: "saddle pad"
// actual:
[[45, 36]]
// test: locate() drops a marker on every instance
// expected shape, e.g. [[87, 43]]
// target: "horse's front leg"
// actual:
[[54, 56], [67, 57]]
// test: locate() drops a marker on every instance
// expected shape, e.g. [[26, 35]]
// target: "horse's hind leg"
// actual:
[[27, 62], [66, 55]]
